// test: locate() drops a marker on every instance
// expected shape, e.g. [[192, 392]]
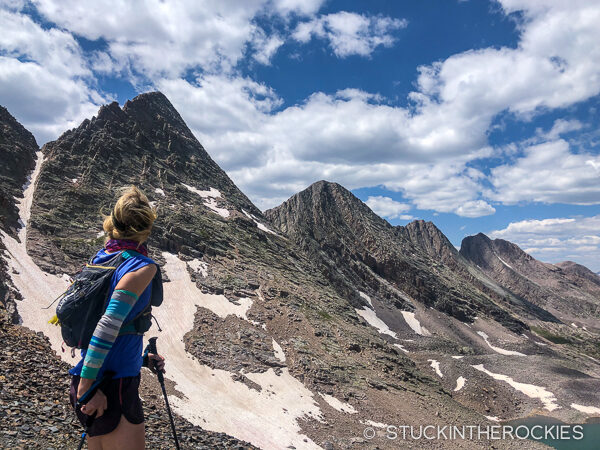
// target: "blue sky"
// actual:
[[476, 115]]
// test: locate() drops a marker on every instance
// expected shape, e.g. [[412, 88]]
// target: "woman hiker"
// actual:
[[119, 418]]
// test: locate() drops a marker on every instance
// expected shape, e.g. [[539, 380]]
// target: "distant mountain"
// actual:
[[358, 248], [568, 290], [579, 272], [434, 242]]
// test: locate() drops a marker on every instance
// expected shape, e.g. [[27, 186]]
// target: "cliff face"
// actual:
[[17, 150], [17, 153]]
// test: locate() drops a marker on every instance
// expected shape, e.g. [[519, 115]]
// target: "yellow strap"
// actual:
[[54, 320]]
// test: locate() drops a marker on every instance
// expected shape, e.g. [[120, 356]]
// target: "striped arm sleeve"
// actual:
[[107, 330]]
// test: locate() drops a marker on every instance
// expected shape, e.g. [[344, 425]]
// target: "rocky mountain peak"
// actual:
[[324, 205], [430, 238], [154, 107], [572, 268], [145, 143]]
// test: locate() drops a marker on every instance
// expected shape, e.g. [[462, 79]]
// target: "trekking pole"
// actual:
[[86, 397], [161, 380]]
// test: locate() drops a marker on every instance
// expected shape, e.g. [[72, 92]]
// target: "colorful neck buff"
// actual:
[[125, 244]]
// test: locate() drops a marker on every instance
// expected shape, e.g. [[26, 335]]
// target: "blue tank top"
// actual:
[[125, 356]]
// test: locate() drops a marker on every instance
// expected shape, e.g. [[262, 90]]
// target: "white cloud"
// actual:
[[44, 77], [46, 103], [352, 137], [476, 208], [559, 128], [557, 239], [265, 46], [300, 7], [350, 33], [54, 49], [387, 207], [548, 172], [165, 39]]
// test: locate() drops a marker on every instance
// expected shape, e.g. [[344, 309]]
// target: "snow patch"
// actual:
[[159, 191], [492, 418], [211, 203], [260, 226], [401, 348], [212, 192], [74, 180], [209, 199], [436, 366], [498, 349], [574, 325], [374, 424], [338, 405], [414, 323], [366, 297], [458, 357], [371, 317], [199, 266], [530, 390], [279, 354], [212, 399], [460, 383], [505, 263], [585, 409]]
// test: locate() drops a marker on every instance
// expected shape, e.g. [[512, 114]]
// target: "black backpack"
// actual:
[[82, 305]]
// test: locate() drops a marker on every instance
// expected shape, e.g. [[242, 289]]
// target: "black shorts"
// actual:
[[122, 399]]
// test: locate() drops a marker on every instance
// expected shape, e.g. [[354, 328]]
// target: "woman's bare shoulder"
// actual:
[[136, 281]]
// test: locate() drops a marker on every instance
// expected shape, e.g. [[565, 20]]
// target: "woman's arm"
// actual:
[[128, 289]]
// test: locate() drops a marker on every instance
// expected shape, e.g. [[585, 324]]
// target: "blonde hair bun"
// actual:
[[131, 217]]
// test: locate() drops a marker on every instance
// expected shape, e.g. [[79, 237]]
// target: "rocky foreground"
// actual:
[[34, 405]]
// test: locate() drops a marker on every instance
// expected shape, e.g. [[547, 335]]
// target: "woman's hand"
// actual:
[[156, 362], [97, 404]]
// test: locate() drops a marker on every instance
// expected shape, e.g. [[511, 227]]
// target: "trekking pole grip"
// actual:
[[152, 349]]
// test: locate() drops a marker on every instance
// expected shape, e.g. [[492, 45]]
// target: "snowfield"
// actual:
[[530, 390], [212, 400], [38, 288]]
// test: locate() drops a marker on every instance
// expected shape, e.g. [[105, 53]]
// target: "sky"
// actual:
[[481, 116]]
